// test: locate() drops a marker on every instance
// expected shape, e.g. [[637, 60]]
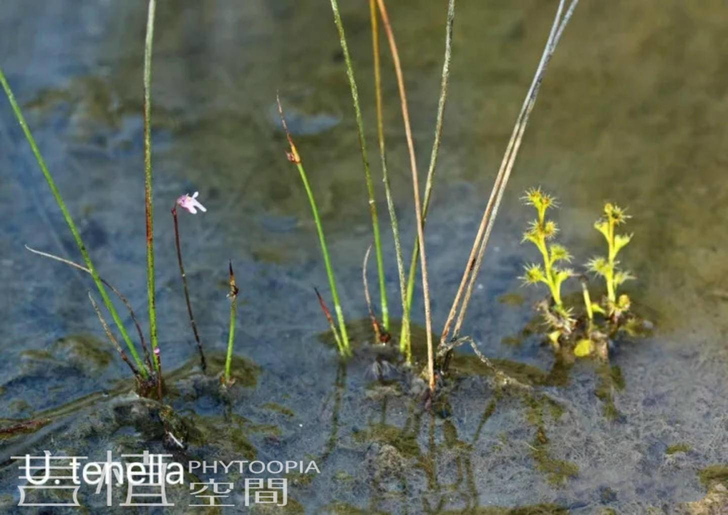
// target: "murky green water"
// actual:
[[633, 110]]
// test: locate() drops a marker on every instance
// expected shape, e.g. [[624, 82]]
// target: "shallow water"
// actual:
[[632, 111]]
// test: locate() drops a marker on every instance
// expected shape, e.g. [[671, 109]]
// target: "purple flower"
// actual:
[[190, 203]]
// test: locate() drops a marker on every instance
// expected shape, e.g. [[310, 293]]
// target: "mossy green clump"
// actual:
[[292, 507], [341, 508], [83, 350], [713, 474], [534, 509], [405, 443], [512, 299], [557, 471], [678, 447], [227, 436], [468, 364], [609, 380], [245, 373], [278, 408]]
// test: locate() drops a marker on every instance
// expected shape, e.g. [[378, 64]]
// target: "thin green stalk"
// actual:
[[405, 343], [71, 225], [231, 336], [295, 158], [365, 160], [148, 201], [385, 172], [611, 290]]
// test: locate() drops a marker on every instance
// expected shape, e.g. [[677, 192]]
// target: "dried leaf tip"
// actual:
[[292, 155], [234, 290]]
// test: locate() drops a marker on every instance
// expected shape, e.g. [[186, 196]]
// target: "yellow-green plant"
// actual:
[[608, 267], [541, 232], [585, 346]]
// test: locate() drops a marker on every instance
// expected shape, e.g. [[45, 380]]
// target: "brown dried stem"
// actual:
[[481, 240], [416, 190]]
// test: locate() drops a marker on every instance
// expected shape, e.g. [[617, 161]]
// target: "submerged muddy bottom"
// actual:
[[586, 438], [648, 434]]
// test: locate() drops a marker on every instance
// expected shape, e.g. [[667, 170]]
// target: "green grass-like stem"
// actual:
[[231, 335], [148, 200], [365, 160], [295, 158], [385, 171], [71, 225]]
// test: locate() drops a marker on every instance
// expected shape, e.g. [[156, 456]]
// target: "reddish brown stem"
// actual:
[[328, 316], [203, 362]]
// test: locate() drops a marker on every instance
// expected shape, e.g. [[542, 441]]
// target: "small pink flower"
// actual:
[[191, 204]]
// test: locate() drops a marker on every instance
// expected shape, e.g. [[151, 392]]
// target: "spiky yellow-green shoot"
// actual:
[[540, 232], [608, 267]]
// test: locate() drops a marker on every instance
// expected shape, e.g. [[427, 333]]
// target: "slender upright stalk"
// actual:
[[71, 225], [231, 335], [415, 188], [405, 343], [148, 201], [475, 259], [196, 333], [611, 290], [295, 158], [365, 160], [385, 172]]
